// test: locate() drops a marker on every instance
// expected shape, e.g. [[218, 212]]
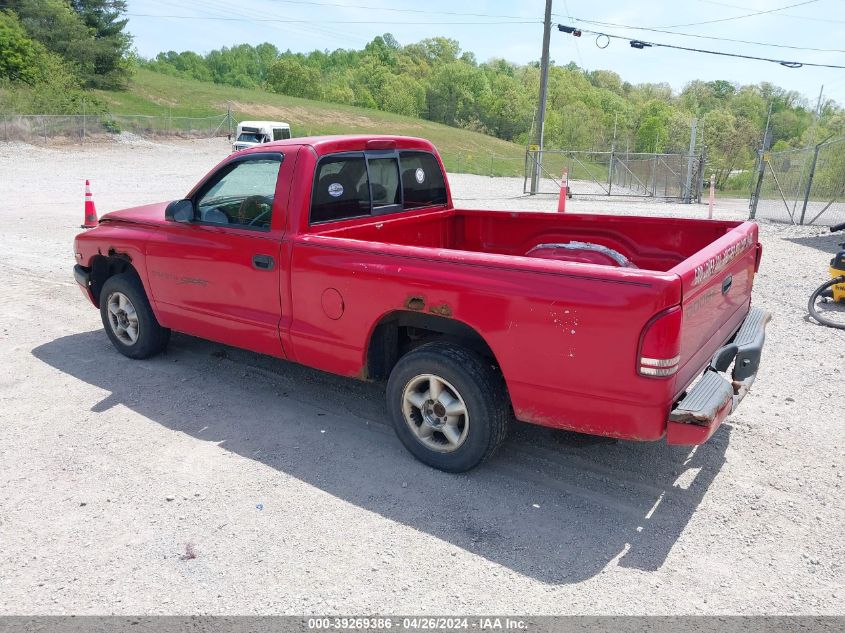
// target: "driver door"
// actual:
[[219, 276]]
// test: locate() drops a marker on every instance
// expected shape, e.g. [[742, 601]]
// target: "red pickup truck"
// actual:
[[346, 254]]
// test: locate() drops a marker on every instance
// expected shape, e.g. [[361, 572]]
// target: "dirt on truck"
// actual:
[[346, 254]]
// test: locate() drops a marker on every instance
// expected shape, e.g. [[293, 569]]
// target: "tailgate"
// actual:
[[716, 284]]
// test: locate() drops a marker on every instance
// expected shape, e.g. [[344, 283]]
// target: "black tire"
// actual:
[[475, 381], [825, 291], [150, 337]]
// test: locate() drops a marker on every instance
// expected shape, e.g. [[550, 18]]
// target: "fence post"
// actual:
[[654, 176], [610, 169], [688, 184], [712, 201], [755, 197], [6, 126], [809, 183], [83, 120]]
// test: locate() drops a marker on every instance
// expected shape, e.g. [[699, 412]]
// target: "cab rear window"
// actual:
[[423, 184], [359, 184]]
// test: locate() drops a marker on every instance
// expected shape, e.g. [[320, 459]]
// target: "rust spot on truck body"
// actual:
[[444, 310], [118, 254], [415, 303]]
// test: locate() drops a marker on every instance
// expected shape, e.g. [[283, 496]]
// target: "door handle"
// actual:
[[263, 262]]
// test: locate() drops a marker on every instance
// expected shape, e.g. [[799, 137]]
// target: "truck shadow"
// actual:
[[827, 242], [555, 506]]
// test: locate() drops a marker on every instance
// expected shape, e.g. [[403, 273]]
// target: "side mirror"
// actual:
[[179, 211]]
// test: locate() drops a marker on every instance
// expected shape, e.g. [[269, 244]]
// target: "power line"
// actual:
[[708, 37], [739, 17], [641, 44]]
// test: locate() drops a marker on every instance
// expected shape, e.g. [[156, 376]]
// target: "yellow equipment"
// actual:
[[827, 303], [837, 269]]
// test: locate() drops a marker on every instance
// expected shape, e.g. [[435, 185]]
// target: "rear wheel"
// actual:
[[448, 405], [128, 318]]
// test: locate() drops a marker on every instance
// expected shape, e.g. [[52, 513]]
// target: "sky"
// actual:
[[513, 30]]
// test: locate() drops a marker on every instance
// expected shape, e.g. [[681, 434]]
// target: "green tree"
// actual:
[[40, 81], [653, 129], [453, 92], [88, 34], [19, 55], [110, 43], [290, 76], [61, 30]]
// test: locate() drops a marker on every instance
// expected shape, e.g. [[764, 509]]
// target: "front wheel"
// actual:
[[449, 406], [128, 318], [822, 307]]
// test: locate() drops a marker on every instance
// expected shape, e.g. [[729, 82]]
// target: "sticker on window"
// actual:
[[335, 190], [420, 175]]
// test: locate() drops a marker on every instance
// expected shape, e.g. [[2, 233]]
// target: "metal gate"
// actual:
[[671, 176], [802, 186]]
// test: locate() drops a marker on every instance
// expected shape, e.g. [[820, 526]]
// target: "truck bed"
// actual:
[[657, 244], [565, 307]]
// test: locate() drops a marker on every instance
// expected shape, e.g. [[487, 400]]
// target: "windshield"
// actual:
[[250, 137]]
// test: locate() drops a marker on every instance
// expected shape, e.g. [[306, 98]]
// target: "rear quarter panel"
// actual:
[[564, 335]]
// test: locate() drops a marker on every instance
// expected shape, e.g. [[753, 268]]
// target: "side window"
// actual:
[[341, 189], [279, 134], [242, 197], [423, 184]]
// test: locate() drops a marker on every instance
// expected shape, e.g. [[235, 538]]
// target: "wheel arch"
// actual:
[[400, 331], [105, 266]]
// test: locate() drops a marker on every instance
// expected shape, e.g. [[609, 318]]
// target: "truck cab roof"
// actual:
[[350, 143]]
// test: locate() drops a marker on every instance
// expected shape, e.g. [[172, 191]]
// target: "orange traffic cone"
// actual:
[[564, 191], [90, 209]]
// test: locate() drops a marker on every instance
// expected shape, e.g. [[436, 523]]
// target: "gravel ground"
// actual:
[[211, 480]]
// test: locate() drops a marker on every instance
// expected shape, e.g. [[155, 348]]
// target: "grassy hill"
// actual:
[[152, 93]]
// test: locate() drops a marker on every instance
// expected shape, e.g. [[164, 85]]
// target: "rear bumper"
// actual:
[[715, 396]]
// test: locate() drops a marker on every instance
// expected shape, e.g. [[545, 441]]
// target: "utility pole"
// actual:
[[541, 106]]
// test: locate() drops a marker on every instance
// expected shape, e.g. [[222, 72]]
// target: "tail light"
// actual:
[[660, 345]]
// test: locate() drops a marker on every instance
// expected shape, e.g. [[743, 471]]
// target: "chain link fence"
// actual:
[[669, 176], [802, 186], [47, 128], [44, 129]]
